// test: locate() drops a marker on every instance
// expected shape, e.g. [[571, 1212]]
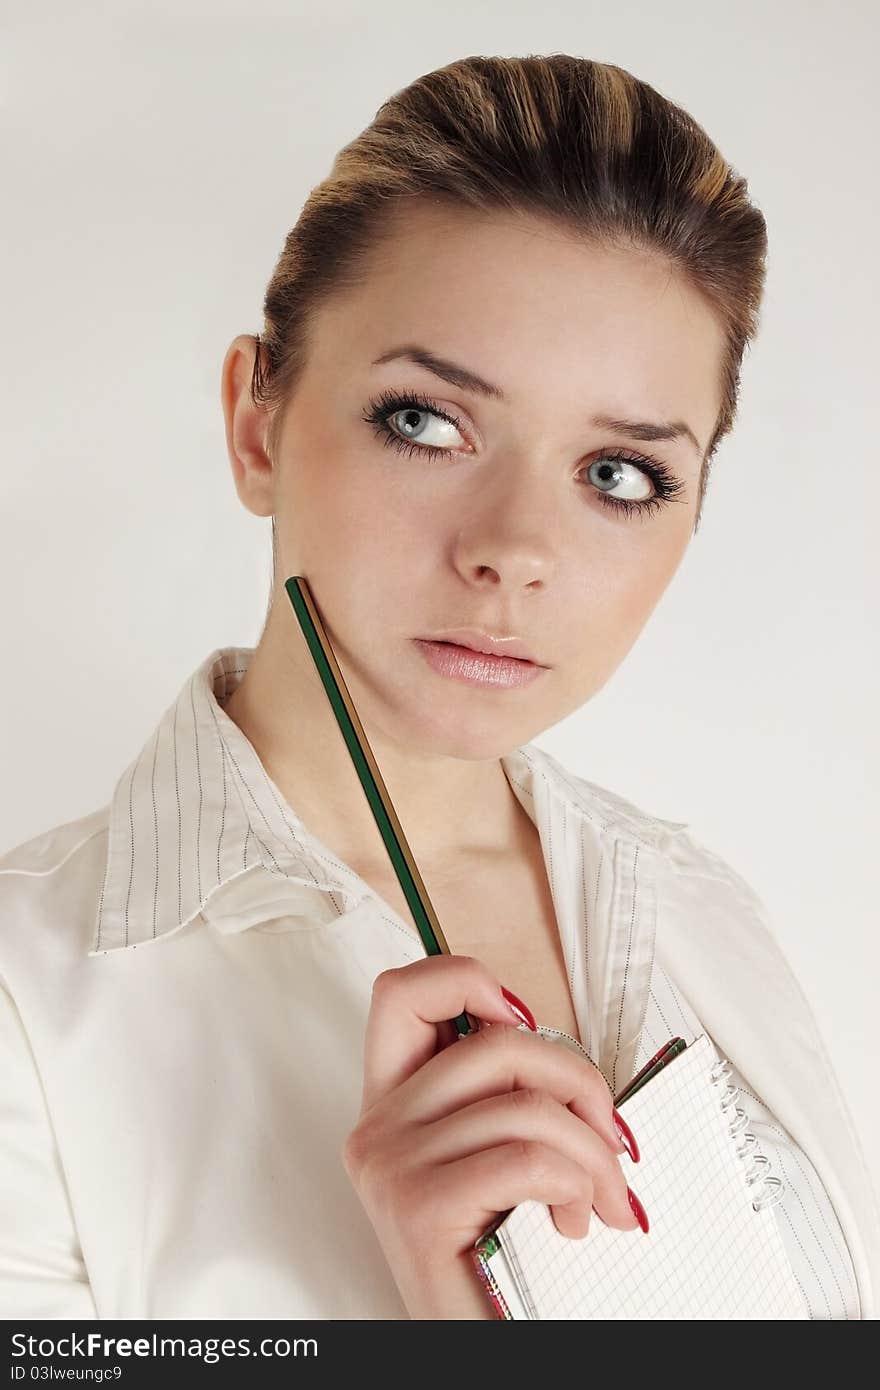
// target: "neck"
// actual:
[[454, 811]]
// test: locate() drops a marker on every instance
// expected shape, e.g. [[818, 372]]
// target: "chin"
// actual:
[[452, 732], [428, 715]]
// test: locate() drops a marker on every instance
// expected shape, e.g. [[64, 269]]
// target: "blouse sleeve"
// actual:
[[42, 1273]]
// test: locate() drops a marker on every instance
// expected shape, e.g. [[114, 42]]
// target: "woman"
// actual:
[[501, 347]]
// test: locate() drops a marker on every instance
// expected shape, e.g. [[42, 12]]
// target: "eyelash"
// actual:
[[667, 487]]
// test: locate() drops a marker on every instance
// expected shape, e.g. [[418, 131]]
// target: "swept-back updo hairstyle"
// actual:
[[582, 143]]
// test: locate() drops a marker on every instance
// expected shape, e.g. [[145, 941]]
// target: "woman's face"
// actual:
[[512, 528]]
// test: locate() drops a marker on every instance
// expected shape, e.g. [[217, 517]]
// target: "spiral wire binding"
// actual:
[[766, 1188]]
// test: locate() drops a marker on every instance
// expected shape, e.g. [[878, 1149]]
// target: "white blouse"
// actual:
[[185, 978]]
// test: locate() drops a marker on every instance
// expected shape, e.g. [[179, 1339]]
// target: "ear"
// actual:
[[246, 428]]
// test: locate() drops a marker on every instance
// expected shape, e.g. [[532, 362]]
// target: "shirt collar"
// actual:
[[196, 811]]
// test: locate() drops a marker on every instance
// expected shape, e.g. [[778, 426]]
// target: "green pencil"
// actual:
[[367, 769]]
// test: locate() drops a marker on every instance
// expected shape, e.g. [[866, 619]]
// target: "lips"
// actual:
[[483, 651], [461, 663], [485, 642]]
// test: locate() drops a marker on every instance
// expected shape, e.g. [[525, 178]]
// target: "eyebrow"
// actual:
[[466, 380]]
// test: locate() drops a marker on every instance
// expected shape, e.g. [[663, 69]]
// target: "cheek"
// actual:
[[355, 503], [366, 546], [636, 594], [618, 591], [379, 542]]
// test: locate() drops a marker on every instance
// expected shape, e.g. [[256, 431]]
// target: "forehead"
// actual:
[[537, 309]]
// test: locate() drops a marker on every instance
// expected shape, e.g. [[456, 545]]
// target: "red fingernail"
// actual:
[[627, 1138], [640, 1214], [523, 1013]]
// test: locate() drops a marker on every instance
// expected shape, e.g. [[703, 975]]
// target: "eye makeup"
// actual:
[[667, 487]]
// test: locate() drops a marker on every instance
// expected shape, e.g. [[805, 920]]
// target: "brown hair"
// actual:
[[583, 143]]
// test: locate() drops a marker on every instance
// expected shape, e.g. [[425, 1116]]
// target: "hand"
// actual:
[[452, 1131]]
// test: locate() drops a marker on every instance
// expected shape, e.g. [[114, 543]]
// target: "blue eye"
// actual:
[[397, 403], [667, 487]]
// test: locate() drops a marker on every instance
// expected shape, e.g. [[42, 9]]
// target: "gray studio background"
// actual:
[[153, 160]]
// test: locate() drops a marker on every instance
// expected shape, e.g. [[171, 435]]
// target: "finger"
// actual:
[[497, 1060], [495, 1180], [408, 1004], [528, 1115]]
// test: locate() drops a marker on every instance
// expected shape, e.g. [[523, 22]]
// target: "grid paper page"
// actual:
[[708, 1253]]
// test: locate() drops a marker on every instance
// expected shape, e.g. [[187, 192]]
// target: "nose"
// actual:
[[510, 533]]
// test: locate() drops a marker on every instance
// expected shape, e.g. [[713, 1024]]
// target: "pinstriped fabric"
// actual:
[[196, 810], [193, 810], [629, 942]]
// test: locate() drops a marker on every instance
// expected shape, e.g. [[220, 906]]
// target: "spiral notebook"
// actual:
[[713, 1250]]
